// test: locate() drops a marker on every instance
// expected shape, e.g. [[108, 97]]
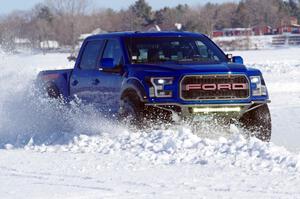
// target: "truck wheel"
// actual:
[[52, 91], [132, 109], [258, 122]]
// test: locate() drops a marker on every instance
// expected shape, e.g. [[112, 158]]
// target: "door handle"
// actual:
[[74, 83], [96, 82]]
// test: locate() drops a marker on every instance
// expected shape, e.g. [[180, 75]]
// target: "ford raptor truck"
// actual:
[[163, 75]]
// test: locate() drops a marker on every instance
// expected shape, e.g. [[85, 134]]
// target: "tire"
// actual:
[[132, 110], [258, 123], [53, 92]]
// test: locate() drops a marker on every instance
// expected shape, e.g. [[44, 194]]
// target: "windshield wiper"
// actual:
[[195, 59], [153, 62]]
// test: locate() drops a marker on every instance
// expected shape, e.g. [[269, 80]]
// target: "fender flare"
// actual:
[[137, 86]]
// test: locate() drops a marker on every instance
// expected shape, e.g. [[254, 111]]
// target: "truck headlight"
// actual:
[[259, 88], [158, 89]]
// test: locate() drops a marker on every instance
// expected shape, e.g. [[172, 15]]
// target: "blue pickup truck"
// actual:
[[159, 75]]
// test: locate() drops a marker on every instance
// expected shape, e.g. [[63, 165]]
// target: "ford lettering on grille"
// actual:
[[212, 87]]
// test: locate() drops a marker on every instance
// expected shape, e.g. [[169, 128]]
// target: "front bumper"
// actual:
[[236, 110]]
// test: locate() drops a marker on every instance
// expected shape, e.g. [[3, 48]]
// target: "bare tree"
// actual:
[[68, 21], [69, 7], [261, 12], [225, 15], [206, 18]]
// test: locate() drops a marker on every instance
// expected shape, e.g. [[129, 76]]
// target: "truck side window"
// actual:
[[113, 50], [204, 52], [91, 54]]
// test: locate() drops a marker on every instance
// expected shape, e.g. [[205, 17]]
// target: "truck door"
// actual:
[[84, 79], [109, 88]]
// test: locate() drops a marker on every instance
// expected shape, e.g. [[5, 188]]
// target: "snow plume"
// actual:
[[26, 117], [22, 114]]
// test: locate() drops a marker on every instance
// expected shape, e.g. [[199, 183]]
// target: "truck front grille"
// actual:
[[214, 87]]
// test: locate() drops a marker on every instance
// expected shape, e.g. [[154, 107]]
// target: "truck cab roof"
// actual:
[[145, 34]]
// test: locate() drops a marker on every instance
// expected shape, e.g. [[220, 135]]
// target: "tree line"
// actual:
[[65, 20]]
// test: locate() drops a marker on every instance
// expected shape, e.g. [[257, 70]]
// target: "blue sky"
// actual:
[[7, 6]]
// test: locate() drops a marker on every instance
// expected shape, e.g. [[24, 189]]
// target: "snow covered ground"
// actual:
[[50, 151], [281, 70]]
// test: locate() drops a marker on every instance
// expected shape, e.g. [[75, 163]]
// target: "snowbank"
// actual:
[[179, 145]]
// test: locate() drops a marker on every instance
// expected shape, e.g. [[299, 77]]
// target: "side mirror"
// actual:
[[237, 59], [107, 63]]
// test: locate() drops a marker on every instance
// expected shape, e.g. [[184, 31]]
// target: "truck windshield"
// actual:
[[151, 50]]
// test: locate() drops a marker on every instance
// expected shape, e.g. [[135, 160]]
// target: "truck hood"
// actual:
[[188, 68]]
